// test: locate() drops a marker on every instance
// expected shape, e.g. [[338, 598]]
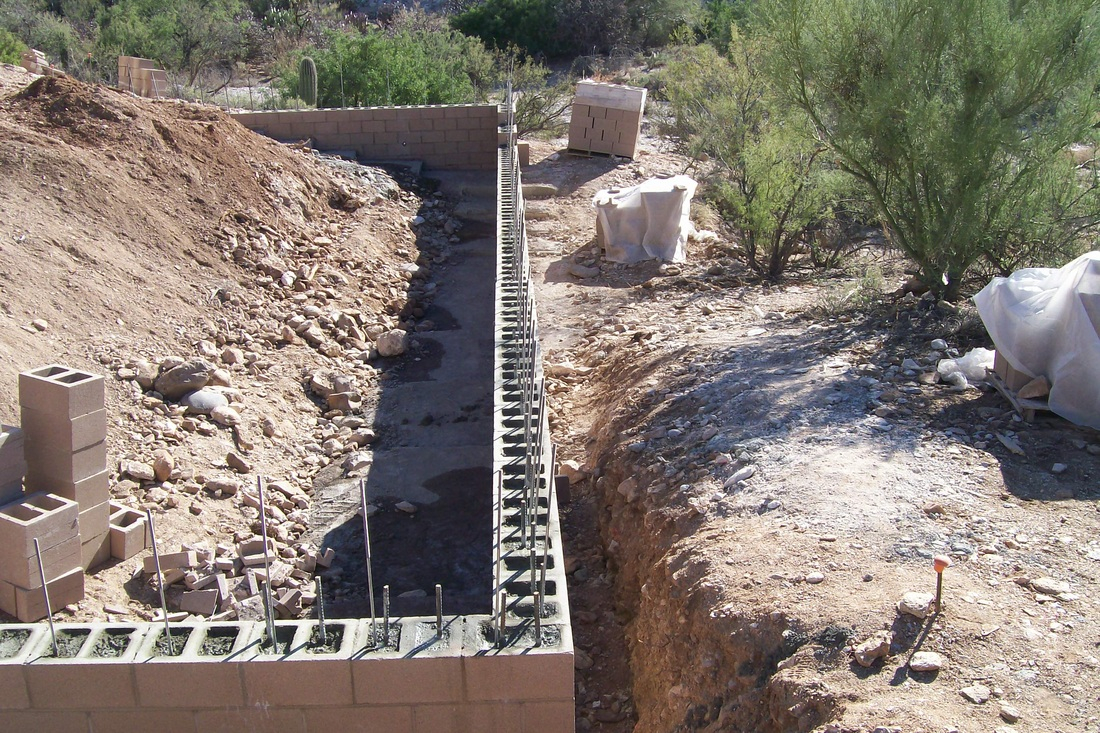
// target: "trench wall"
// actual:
[[456, 137]]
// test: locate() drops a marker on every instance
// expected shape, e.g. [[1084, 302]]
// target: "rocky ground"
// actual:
[[761, 473]]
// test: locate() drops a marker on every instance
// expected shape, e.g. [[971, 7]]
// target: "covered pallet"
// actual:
[[606, 118]]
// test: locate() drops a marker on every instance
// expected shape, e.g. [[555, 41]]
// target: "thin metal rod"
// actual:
[[532, 563], [46, 596], [160, 582], [370, 568], [542, 570], [499, 532], [385, 615], [269, 610], [538, 620], [322, 634], [502, 635], [523, 524], [438, 611]]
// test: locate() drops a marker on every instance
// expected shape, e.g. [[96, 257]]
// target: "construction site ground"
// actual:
[[760, 475]]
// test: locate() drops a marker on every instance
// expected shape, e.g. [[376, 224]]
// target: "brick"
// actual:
[[29, 604], [203, 602], [189, 684], [129, 532], [11, 444], [95, 551], [519, 677], [407, 681], [265, 720], [376, 719], [94, 489], [437, 719], [445, 123], [56, 432], [46, 467], [279, 682], [56, 561], [170, 560], [385, 138], [87, 686], [94, 521], [549, 717], [13, 687], [11, 490], [49, 518], [57, 389], [420, 123], [40, 721], [128, 721]]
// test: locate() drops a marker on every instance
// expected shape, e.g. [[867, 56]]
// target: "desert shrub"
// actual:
[[955, 118], [11, 48]]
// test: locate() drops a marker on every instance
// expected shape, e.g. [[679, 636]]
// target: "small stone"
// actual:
[[406, 506], [572, 470], [137, 470], [877, 647], [581, 660], [237, 463], [40, 324], [740, 475], [939, 345], [916, 604], [977, 694], [186, 377], [195, 509], [1049, 586], [580, 271], [815, 578], [1059, 468], [629, 489], [392, 343], [926, 662], [357, 461], [163, 463], [227, 486], [226, 416], [1010, 714], [203, 401]]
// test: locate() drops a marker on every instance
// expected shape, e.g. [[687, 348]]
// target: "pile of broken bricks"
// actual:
[[226, 583]]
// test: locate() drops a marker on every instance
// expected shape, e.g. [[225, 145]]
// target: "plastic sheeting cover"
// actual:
[[1046, 321], [648, 221]]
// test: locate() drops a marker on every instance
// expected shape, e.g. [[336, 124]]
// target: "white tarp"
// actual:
[[647, 221], [1046, 322]]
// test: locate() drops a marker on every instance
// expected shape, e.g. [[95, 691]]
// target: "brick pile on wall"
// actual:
[[606, 118], [456, 137]]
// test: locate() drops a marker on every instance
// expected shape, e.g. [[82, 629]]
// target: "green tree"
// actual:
[[11, 48], [955, 116], [767, 178]]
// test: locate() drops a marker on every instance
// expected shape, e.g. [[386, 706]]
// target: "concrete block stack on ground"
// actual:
[[607, 118], [65, 430], [141, 77], [52, 520]]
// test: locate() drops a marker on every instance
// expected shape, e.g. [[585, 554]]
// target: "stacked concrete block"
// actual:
[[34, 61], [53, 521], [607, 118], [129, 530], [13, 466], [142, 77], [65, 429]]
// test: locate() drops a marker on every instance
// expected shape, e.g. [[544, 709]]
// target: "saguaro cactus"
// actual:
[[307, 81]]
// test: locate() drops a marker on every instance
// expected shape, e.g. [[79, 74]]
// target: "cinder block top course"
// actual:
[[59, 389]]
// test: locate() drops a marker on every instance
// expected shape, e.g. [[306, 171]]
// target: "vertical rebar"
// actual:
[[438, 611], [498, 531], [502, 635], [385, 615], [523, 524], [269, 607], [542, 570], [370, 570], [46, 596], [322, 634], [538, 620], [160, 581], [532, 565]]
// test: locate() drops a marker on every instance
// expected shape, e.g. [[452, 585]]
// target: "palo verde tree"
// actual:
[[955, 115]]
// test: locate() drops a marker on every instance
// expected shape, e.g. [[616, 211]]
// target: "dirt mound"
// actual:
[[111, 209]]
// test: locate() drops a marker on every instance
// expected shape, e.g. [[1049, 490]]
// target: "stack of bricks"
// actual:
[[52, 520], [34, 61], [606, 118], [65, 428], [142, 77]]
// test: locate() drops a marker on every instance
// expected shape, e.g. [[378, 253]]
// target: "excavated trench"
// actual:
[[699, 661]]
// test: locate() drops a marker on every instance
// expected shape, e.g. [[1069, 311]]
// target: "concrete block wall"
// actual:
[[52, 520], [142, 77], [120, 677], [456, 137], [607, 118], [64, 424]]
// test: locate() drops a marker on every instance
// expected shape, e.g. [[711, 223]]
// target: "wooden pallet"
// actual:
[[1025, 407]]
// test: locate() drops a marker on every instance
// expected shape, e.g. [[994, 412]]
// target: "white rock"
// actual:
[[405, 506], [877, 647], [203, 401], [629, 489], [916, 603], [1059, 468], [137, 470], [938, 345], [926, 662], [1049, 586], [392, 343], [742, 474], [572, 470], [226, 416], [815, 578], [977, 694]]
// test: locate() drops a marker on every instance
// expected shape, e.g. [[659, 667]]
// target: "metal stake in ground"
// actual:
[[269, 608], [322, 635], [160, 581], [502, 635], [438, 611], [370, 571], [538, 620], [46, 596]]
